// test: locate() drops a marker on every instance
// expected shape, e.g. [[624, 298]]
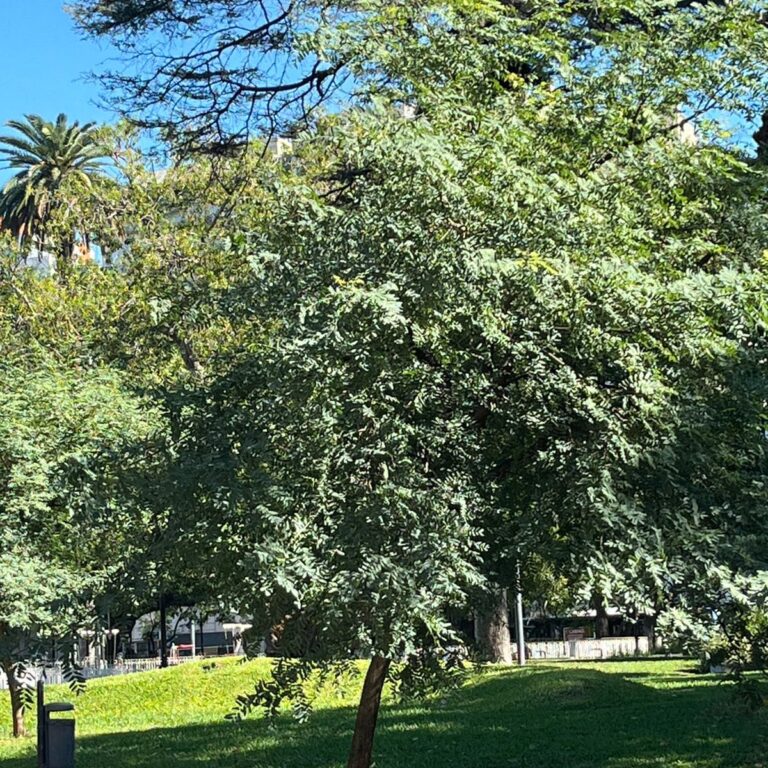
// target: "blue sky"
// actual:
[[44, 62]]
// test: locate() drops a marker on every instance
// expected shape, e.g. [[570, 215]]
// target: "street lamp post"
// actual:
[[192, 639]]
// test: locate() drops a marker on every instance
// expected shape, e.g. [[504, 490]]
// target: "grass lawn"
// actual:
[[588, 715]]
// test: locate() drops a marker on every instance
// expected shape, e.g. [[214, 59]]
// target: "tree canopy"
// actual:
[[209, 74], [61, 539]]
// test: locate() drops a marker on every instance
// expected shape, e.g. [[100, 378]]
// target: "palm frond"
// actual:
[[46, 154]]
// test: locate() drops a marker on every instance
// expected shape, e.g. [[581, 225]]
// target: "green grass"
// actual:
[[634, 714]]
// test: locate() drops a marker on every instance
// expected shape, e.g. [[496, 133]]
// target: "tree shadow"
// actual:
[[536, 718]]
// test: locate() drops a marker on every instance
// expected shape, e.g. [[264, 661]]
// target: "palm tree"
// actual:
[[47, 155]]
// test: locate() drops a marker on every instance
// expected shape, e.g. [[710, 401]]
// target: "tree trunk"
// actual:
[[494, 642], [649, 625], [163, 633], [602, 627], [272, 640], [636, 629], [361, 752], [17, 705]]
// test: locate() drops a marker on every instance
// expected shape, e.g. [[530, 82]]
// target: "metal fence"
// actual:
[[54, 675]]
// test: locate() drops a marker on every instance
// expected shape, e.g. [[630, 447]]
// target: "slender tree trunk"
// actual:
[[163, 633], [492, 636], [602, 627], [361, 751], [17, 705], [202, 635], [68, 255], [636, 624], [649, 625], [272, 640]]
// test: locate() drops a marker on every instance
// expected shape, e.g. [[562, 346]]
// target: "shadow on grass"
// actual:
[[537, 718]]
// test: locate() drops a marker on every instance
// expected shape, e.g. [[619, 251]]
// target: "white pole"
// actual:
[[519, 629]]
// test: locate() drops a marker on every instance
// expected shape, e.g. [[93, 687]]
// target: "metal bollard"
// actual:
[[55, 738]]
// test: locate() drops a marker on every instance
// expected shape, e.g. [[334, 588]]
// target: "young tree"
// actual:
[[59, 543]]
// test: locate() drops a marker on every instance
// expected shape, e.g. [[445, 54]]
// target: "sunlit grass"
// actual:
[[634, 714]]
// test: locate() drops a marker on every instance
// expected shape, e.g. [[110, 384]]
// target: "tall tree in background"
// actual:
[[47, 157], [229, 70]]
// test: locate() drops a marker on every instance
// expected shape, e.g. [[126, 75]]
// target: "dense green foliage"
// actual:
[[474, 345], [506, 306], [61, 538]]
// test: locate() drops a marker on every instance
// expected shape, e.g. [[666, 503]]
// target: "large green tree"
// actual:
[[460, 366], [487, 320]]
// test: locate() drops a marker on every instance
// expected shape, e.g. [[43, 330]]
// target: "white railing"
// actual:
[[604, 648], [547, 649], [54, 675]]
